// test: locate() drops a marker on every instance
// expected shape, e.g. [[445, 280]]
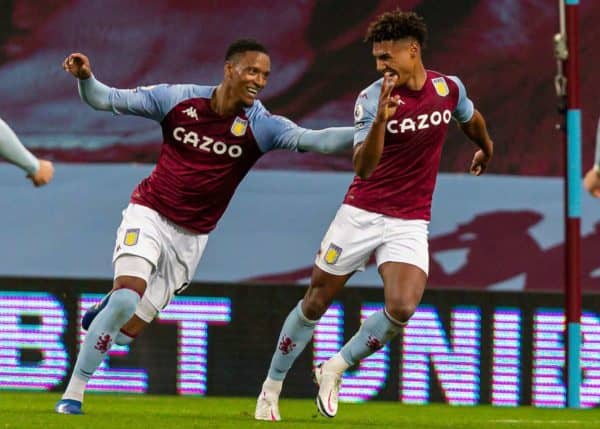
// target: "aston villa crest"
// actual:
[[238, 128], [440, 85]]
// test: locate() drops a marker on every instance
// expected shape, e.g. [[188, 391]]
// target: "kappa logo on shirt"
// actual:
[[191, 112]]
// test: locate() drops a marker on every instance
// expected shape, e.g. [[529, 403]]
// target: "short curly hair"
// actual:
[[397, 25]]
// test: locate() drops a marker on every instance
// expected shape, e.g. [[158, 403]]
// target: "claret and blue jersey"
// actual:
[[204, 156], [402, 184]]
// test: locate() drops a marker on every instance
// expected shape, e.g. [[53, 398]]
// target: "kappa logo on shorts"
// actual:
[[131, 237], [333, 254]]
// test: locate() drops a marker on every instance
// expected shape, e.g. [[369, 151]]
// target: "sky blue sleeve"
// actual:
[[328, 140], [276, 132], [13, 150], [597, 153], [365, 110], [152, 102], [94, 93], [464, 109]]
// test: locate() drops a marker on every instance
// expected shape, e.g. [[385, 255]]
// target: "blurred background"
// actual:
[[496, 242]]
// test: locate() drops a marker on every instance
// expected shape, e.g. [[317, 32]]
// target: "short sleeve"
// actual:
[[365, 110], [464, 108]]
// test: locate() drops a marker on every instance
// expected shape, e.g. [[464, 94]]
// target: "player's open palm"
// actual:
[[78, 65], [479, 163], [591, 182], [387, 104]]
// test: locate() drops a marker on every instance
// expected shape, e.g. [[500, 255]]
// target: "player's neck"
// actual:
[[418, 78], [223, 104]]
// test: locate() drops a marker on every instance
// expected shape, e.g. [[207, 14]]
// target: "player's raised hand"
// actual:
[[44, 174], [479, 163], [78, 65], [387, 104], [591, 182]]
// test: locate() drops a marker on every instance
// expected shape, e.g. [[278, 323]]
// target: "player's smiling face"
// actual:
[[247, 75], [399, 57]]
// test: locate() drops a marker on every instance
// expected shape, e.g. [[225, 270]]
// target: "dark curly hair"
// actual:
[[244, 45], [397, 25]]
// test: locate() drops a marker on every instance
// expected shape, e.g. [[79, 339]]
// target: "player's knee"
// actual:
[[400, 310], [315, 302], [124, 303], [135, 284], [320, 294], [314, 307]]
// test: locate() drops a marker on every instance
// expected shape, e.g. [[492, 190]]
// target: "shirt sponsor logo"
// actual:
[[422, 122], [207, 144], [440, 85], [238, 128]]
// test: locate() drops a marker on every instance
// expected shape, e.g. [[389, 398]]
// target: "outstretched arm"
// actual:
[[476, 130], [328, 140], [92, 91], [39, 171], [95, 93], [152, 102], [591, 181]]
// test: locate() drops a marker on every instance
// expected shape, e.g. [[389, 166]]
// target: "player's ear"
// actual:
[[414, 49], [228, 70]]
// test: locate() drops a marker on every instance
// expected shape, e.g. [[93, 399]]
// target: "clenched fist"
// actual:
[[78, 65]]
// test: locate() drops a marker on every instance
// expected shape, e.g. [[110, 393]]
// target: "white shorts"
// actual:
[[174, 253], [355, 234]]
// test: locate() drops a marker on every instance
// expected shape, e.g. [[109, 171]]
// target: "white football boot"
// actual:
[[329, 383], [267, 404]]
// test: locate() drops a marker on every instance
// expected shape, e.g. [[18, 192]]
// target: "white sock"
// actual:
[[336, 363], [75, 389], [271, 385]]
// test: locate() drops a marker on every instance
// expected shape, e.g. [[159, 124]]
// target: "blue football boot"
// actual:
[[68, 406]]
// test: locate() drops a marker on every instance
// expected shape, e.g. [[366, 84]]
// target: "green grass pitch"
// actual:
[[36, 410]]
